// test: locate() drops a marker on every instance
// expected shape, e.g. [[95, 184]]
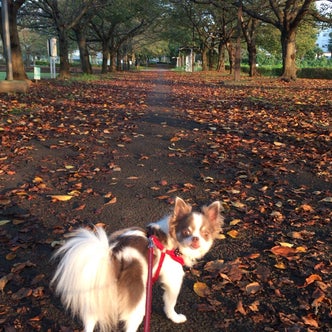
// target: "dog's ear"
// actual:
[[212, 213], [181, 208]]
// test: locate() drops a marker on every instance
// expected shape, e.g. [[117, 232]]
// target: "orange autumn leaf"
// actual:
[[306, 208], [233, 233], [253, 287], [309, 320], [111, 201], [240, 308], [62, 198], [283, 251], [312, 278], [201, 289]]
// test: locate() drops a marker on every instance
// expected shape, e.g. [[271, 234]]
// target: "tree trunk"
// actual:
[[249, 32], [288, 55], [64, 54], [252, 59], [231, 56], [210, 53], [16, 52], [113, 61], [105, 59], [221, 58], [84, 52], [237, 64], [205, 58]]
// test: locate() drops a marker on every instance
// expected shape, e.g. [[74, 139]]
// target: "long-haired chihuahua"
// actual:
[[102, 279]]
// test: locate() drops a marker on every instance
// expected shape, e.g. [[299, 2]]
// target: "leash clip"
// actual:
[[150, 242]]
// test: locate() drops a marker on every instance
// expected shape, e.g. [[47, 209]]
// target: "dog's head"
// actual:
[[194, 232]]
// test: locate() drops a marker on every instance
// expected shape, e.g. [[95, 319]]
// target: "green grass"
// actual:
[[30, 75]]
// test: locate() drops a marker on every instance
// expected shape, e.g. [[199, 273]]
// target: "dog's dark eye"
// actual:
[[186, 232]]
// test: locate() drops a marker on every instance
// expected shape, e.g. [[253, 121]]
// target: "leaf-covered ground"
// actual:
[[117, 151]]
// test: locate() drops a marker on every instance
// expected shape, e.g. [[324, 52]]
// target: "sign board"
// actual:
[[51, 47], [36, 73]]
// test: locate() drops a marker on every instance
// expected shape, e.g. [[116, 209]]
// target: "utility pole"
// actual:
[[6, 37]]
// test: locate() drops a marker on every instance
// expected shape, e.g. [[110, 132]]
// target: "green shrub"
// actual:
[[322, 73], [270, 71]]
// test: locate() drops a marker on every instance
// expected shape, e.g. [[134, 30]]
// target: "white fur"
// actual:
[[171, 276], [85, 281]]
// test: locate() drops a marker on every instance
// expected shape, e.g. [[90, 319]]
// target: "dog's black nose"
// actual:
[[195, 239]]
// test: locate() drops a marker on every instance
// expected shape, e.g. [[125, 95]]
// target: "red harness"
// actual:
[[174, 254]]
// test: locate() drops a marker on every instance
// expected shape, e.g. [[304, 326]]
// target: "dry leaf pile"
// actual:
[[117, 151]]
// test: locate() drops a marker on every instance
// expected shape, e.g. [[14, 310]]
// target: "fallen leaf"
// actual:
[[254, 306], [309, 320], [10, 256], [4, 280], [22, 293], [312, 278], [225, 276], [281, 266], [306, 208], [80, 207], [214, 266], [283, 251], [4, 222], [61, 198], [253, 287], [201, 289], [254, 255], [111, 201], [233, 233], [240, 308], [326, 200], [286, 244], [238, 205], [235, 222], [37, 179], [319, 297]]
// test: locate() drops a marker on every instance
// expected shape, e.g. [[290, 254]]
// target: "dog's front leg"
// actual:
[[171, 283], [170, 298]]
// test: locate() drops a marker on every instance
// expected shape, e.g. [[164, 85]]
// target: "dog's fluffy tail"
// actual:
[[85, 280]]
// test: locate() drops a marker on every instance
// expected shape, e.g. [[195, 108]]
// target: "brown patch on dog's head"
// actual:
[[181, 212]]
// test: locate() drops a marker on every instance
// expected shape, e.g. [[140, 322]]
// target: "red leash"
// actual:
[[149, 287]]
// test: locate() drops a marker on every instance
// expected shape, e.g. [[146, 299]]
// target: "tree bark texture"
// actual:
[[16, 52], [289, 54], [64, 72], [83, 49]]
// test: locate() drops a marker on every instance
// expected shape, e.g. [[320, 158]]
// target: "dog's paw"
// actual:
[[178, 318]]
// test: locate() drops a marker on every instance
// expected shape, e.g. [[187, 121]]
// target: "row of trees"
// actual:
[[215, 28]]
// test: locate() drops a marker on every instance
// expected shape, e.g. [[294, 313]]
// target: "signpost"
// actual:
[[52, 52], [36, 73]]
